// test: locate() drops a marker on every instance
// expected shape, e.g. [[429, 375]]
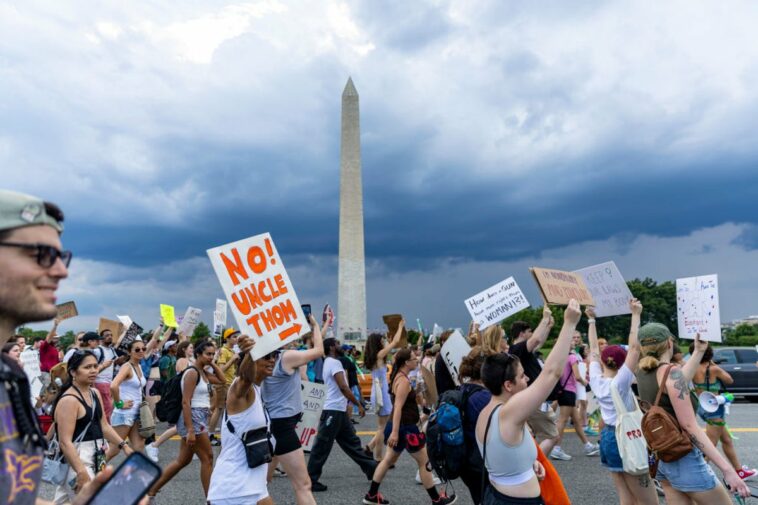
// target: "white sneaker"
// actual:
[[557, 453], [437, 480], [152, 452], [591, 449]]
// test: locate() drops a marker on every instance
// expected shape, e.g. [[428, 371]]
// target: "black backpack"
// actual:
[[445, 442], [169, 407], [558, 389]]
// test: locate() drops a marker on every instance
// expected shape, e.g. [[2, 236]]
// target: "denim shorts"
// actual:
[[609, 450], [691, 474], [123, 418], [710, 417], [200, 418]]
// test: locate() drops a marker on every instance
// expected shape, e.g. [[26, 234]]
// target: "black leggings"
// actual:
[[494, 497]]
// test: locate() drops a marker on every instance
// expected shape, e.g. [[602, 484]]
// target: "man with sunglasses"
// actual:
[[31, 266]]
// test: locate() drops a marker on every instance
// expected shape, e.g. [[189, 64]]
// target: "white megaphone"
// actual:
[[711, 402]]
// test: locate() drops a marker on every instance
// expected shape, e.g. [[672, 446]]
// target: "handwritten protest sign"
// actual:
[[608, 288], [168, 315], [393, 321], [30, 359], [260, 293], [559, 287], [496, 303], [312, 396], [455, 349], [219, 317], [189, 321], [697, 307], [125, 320], [66, 311], [109, 324]]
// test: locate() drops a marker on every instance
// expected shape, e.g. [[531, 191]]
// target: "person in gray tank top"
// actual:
[[508, 450], [281, 396]]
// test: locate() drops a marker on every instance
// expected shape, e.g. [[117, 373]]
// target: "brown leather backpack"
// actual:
[[664, 436]]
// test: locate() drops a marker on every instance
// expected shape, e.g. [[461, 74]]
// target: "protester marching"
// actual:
[[273, 395]]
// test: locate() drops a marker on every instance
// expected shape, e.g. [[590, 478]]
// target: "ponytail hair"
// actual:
[[73, 364], [651, 354], [401, 358]]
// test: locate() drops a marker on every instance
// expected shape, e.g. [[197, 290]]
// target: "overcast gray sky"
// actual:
[[495, 135]]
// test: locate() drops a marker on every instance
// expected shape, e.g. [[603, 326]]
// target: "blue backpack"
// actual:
[[445, 442]]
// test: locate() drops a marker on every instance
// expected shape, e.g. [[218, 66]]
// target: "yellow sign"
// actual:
[[169, 318]]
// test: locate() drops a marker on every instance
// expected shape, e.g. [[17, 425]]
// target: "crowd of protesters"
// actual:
[[513, 406]]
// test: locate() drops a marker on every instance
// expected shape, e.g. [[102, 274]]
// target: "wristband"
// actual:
[[123, 444], [590, 321], [119, 404]]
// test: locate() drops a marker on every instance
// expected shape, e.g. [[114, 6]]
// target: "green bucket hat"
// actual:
[[654, 333], [18, 210]]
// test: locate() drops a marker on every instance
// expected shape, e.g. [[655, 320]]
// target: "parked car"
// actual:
[[742, 364]]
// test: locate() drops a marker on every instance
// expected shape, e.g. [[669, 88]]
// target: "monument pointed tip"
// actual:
[[350, 88]]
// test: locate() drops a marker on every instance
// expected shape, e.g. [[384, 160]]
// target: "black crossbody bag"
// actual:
[[258, 447]]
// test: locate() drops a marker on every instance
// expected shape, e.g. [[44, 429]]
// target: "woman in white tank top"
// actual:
[[233, 482], [127, 393], [192, 425]]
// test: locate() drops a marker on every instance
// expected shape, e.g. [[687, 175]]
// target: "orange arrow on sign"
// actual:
[[292, 330]]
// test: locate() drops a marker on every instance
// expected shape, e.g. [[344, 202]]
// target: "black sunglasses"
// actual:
[[47, 255], [272, 355]]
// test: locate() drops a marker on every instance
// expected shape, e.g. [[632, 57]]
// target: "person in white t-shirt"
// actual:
[[613, 367], [334, 424]]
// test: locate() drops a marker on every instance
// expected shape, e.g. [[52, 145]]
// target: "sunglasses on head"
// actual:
[[47, 255]]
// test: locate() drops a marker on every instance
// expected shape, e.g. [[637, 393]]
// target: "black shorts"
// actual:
[[283, 430], [409, 437], [567, 399]]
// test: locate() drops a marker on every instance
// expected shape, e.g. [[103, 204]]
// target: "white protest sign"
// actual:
[[221, 310], [697, 307], [261, 295], [608, 289], [455, 349], [496, 303], [125, 320], [30, 359], [190, 321], [312, 396]]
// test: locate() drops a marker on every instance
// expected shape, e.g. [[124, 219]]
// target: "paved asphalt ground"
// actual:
[[586, 481]]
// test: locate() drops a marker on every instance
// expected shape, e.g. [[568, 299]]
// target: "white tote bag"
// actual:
[[631, 442]]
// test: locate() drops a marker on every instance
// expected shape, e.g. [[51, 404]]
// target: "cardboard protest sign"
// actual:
[[261, 295], [430, 386], [30, 359], [66, 311], [189, 321], [455, 349], [697, 307], [496, 303], [559, 287], [168, 315], [393, 321], [115, 327], [312, 396], [608, 289]]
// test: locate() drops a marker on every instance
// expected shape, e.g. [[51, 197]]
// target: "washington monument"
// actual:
[[351, 294]]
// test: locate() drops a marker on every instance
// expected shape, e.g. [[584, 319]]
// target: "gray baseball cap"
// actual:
[[18, 210]]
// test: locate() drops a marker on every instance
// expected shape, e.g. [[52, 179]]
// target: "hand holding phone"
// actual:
[[127, 485]]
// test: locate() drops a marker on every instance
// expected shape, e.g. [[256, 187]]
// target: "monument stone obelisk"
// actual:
[[351, 293]]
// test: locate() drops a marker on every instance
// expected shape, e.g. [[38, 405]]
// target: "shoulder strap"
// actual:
[[485, 472], [196, 370], [708, 376], [662, 385]]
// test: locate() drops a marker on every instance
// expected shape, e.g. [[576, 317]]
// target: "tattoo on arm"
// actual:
[[644, 481], [697, 443], [680, 383]]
